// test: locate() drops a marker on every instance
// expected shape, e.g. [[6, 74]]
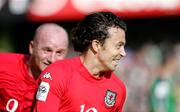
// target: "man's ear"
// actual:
[[96, 45], [31, 47]]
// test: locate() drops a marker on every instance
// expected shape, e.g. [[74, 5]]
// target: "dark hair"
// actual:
[[94, 26]]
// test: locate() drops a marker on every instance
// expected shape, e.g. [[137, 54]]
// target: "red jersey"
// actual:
[[67, 86], [17, 87]]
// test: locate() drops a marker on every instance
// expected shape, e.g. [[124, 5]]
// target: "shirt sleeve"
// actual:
[[50, 104], [51, 88]]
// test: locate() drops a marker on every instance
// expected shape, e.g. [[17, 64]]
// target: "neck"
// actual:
[[92, 66], [33, 71]]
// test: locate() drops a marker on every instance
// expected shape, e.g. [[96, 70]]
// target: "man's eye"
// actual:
[[61, 52], [118, 46], [46, 50]]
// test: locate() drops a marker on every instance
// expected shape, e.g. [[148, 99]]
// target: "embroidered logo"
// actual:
[[110, 98], [47, 75], [42, 91]]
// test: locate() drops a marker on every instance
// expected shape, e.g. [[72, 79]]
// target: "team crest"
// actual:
[[110, 98]]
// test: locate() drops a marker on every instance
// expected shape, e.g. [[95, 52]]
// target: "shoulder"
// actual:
[[66, 64], [57, 76], [12, 69], [61, 69], [12, 57], [12, 62], [121, 86]]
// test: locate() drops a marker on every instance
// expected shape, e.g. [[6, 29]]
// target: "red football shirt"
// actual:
[[17, 87], [67, 86]]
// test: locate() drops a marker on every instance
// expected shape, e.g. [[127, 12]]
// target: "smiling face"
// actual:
[[49, 45], [49, 51], [113, 49]]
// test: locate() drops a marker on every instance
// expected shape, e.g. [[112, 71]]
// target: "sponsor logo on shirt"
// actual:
[[42, 91], [110, 98], [47, 75]]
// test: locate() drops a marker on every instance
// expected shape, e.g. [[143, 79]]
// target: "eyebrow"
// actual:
[[122, 42]]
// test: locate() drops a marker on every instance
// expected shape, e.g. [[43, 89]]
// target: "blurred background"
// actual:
[[151, 70]]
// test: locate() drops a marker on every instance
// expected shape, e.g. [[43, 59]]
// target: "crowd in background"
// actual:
[[152, 77]]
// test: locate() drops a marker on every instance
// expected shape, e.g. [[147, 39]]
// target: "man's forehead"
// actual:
[[48, 31]]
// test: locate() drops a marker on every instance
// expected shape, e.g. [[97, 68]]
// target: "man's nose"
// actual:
[[123, 52], [52, 58]]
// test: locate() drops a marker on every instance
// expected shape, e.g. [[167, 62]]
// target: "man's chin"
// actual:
[[114, 68], [111, 69], [44, 67]]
